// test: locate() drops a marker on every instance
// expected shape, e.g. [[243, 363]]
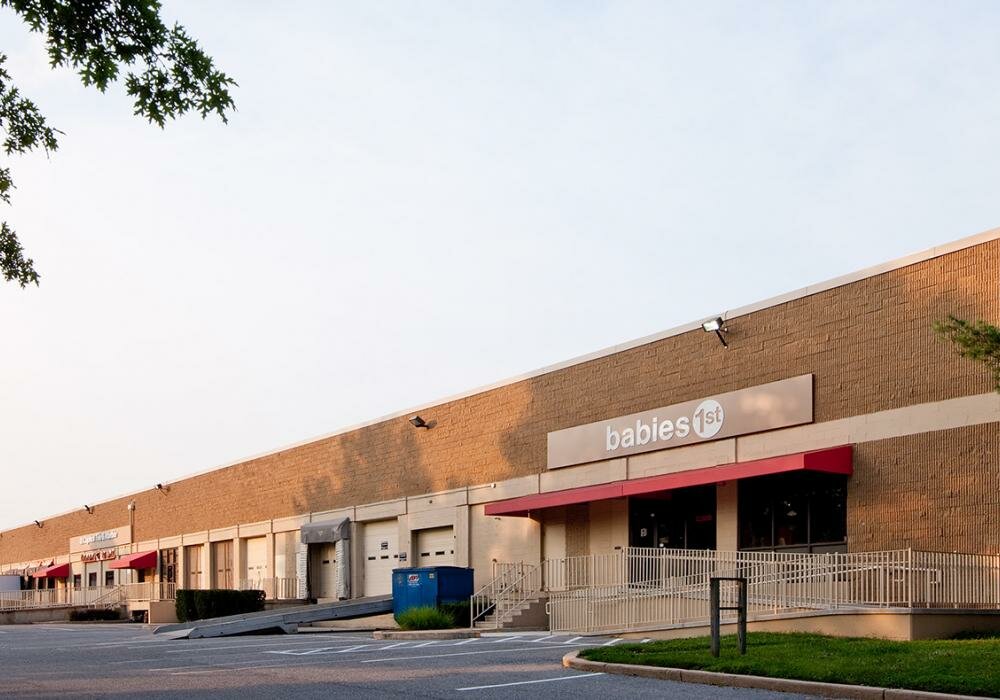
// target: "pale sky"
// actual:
[[418, 198]]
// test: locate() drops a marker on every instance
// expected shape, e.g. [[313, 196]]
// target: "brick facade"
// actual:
[[869, 344], [934, 491]]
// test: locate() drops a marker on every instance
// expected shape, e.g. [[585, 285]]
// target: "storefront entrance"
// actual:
[[678, 519]]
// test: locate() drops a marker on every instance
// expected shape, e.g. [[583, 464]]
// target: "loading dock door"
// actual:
[[256, 561], [323, 570], [381, 539], [436, 546]]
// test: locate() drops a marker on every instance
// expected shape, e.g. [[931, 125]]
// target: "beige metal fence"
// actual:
[[275, 587], [94, 596], [149, 591], [643, 588]]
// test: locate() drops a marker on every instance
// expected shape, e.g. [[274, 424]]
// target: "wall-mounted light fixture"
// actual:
[[418, 422], [38, 523], [161, 488], [131, 506], [717, 326], [89, 509]]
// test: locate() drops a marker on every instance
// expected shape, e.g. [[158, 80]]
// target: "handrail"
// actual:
[[483, 601], [511, 598]]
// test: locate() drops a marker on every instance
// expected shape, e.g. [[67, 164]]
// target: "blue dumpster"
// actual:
[[430, 585]]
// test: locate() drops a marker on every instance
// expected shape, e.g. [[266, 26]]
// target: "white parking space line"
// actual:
[[570, 641], [466, 653], [275, 643], [397, 644], [60, 629], [611, 642], [542, 639], [425, 644], [464, 641], [540, 680]]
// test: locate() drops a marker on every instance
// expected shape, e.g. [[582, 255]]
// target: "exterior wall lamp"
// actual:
[[39, 524], [717, 326], [89, 509], [418, 422]]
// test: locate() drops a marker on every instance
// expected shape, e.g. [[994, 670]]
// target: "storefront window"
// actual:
[[679, 519], [797, 512]]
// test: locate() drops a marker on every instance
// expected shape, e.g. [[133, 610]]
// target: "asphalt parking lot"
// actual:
[[108, 660]]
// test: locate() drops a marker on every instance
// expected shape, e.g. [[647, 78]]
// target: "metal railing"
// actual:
[[641, 588], [512, 581], [274, 587], [93, 596], [149, 591]]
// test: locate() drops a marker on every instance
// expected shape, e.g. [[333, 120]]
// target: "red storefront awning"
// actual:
[[57, 571], [835, 460], [143, 560]]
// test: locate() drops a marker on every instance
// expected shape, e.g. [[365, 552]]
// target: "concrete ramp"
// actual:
[[285, 620]]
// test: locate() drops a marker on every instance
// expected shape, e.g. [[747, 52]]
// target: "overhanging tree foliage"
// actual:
[[978, 341], [166, 73]]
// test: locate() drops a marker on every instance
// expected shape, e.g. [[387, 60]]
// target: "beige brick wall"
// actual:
[[935, 491], [869, 345]]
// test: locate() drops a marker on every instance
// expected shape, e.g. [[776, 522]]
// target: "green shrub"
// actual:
[[94, 614], [459, 612], [425, 618], [201, 605], [184, 605]]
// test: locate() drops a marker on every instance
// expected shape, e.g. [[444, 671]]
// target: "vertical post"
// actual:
[[714, 614], [741, 620], [996, 574], [909, 577]]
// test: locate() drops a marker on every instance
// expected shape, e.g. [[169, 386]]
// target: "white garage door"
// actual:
[[323, 570], [381, 551], [436, 546], [256, 561]]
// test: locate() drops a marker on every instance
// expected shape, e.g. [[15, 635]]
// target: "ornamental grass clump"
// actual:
[[425, 618]]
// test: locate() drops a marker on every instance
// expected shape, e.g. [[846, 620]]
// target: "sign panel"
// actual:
[[766, 407], [101, 540], [99, 555]]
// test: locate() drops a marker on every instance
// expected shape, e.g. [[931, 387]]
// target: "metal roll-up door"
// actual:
[[435, 547], [381, 552]]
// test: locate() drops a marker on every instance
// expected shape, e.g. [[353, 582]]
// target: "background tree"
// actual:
[[978, 341], [166, 73]]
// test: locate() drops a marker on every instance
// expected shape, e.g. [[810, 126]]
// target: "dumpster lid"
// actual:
[[326, 531]]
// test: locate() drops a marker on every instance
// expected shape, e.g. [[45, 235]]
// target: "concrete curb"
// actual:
[[426, 634], [733, 680]]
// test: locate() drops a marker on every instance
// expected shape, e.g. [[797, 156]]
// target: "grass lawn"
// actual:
[[965, 666]]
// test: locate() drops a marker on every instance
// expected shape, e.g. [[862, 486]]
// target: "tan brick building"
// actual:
[[834, 421]]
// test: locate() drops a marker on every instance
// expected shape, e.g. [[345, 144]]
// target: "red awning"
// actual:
[[835, 460], [143, 560], [57, 571]]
